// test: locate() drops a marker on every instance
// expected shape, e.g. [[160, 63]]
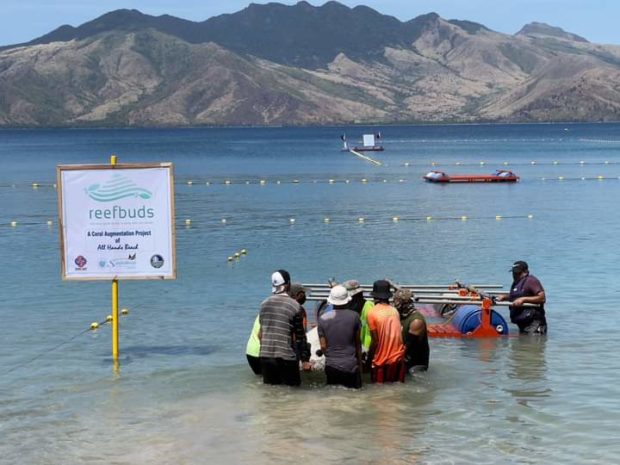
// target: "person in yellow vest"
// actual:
[[252, 349]]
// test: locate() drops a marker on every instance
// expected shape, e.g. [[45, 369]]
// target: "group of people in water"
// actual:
[[356, 335]]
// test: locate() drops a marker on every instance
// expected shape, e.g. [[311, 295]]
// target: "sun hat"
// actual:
[[353, 287], [381, 289], [279, 278], [404, 295], [519, 266], [338, 295]]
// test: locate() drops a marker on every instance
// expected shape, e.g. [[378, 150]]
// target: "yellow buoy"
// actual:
[[189, 183], [458, 163], [555, 162], [124, 311], [108, 318], [94, 325], [364, 180], [385, 180], [396, 219], [35, 185], [331, 181], [188, 221], [50, 222], [247, 182], [13, 223], [498, 217], [360, 220], [463, 218], [227, 182], [208, 183], [481, 163], [263, 182], [606, 162], [347, 181], [529, 217], [295, 181], [533, 162], [325, 220], [230, 259], [278, 182], [292, 220], [401, 180], [560, 178], [600, 178], [429, 218], [237, 254], [505, 163], [406, 163], [581, 162], [54, 185], [433, 163], [223, 220]]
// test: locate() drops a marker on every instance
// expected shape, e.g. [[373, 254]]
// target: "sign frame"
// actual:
[[116, 167]]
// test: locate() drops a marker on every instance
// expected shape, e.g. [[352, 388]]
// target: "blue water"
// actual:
[[185, 393]]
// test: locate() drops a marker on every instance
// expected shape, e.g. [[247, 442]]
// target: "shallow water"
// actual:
[[185, 393]]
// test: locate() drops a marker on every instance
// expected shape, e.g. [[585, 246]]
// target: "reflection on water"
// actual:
[[528, 369]]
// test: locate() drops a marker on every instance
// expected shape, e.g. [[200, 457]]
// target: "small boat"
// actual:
[[370, 143], [498, 176]]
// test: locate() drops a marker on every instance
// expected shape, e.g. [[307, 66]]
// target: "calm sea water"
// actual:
[[185, 394]]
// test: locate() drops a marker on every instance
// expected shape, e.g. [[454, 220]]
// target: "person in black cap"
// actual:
[[387, 352], [281, 332], [526, 289]]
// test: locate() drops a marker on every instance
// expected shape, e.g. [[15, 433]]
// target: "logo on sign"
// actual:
[[157, 261], [116, 188], [80, 262]]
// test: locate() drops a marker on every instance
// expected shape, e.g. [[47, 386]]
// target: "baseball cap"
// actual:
[[338, 295], [519, 266], [279, 278], [353, 287]]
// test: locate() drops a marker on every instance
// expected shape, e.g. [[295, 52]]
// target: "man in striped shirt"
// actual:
[[281, 330]]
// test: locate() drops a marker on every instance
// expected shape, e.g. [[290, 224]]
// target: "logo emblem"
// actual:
[[118, 187], [157, 261], [80, 262]]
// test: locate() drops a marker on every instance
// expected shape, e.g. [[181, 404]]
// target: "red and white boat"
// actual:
[[442, 178]]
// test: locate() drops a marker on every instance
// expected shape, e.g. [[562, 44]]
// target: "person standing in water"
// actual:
[[415, 337]]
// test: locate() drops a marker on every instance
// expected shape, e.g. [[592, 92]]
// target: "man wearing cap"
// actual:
[[526, 289], [415, 336], [387, 352], [281, 331], [339, 335], [362, 307]]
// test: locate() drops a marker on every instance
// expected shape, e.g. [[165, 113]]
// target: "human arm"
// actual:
[[537, 299], [358, 349], [417, 327], [373, 347], [301, 342]]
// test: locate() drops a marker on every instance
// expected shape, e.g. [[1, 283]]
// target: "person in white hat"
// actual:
[[281, 327], [339, 335]]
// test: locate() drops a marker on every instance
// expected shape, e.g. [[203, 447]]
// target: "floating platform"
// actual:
[[443, 178]]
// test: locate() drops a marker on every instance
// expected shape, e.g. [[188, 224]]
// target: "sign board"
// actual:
[[369, 140], [117, 221]]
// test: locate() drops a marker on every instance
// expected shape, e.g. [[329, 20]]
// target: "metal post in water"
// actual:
[[115, 331]]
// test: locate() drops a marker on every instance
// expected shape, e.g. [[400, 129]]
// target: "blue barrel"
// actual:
[[467, 318]]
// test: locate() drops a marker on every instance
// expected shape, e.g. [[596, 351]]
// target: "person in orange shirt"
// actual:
[[387, 352]]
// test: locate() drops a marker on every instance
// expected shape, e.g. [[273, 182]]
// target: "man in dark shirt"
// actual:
[[415, 336], [526, 289], [281, 331], [339, 335]]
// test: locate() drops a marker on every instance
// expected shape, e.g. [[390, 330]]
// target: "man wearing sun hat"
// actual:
[[526, 289], [387, 352], [281, 331], [339, 335]]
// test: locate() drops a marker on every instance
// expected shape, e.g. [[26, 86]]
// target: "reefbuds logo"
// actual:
[[118, 187]]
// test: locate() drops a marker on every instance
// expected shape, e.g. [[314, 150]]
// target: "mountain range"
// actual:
[[274, 64]]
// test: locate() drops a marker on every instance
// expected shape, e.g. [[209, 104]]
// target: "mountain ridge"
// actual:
[[274, 64]]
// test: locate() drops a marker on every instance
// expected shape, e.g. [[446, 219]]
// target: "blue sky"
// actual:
[[596, 20]]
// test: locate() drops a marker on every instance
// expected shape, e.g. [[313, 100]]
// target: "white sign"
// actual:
[[369, 140], [117, 222]]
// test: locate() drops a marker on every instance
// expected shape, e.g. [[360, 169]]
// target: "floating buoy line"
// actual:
[[292, 221], [507, 163]]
